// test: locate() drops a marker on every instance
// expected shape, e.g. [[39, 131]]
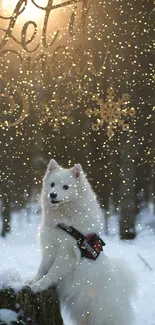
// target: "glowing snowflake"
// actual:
[[111, 112], [56, 112]]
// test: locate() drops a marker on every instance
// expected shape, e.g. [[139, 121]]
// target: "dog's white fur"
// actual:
[[91, 292]]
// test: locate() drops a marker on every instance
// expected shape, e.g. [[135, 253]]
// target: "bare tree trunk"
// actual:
[[151, 179], [127, 190], [6, 213], [32, 309]]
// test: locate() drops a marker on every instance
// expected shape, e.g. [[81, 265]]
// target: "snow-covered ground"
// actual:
[[20, 254]]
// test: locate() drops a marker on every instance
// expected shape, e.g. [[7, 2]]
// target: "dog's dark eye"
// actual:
[[52, 184], [65, 187]]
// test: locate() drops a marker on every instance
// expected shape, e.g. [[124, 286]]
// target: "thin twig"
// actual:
[[145, 262]]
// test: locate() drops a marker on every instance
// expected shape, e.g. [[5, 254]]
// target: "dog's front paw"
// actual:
[[29, 282], [35, 287], [39, 286]]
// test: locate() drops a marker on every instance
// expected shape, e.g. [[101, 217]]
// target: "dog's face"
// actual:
[[61, 185]]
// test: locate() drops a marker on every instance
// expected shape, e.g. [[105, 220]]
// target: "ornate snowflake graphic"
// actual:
[[56, 112], [111, 112]]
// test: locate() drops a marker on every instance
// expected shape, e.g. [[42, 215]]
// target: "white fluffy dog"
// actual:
[[92, 292]]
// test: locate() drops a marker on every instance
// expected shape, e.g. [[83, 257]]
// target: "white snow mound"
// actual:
[[10, 278], [8, 316]]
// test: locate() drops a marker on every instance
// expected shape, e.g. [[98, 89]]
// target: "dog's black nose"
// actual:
[[53, 195]]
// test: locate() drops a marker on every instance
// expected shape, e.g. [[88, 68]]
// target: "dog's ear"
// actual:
[[77, 171], [52, 165]]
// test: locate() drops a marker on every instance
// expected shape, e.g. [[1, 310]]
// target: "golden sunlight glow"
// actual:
[[30, 12], [35, 24]]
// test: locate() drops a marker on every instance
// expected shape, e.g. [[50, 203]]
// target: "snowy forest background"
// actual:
[[121, 169]]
